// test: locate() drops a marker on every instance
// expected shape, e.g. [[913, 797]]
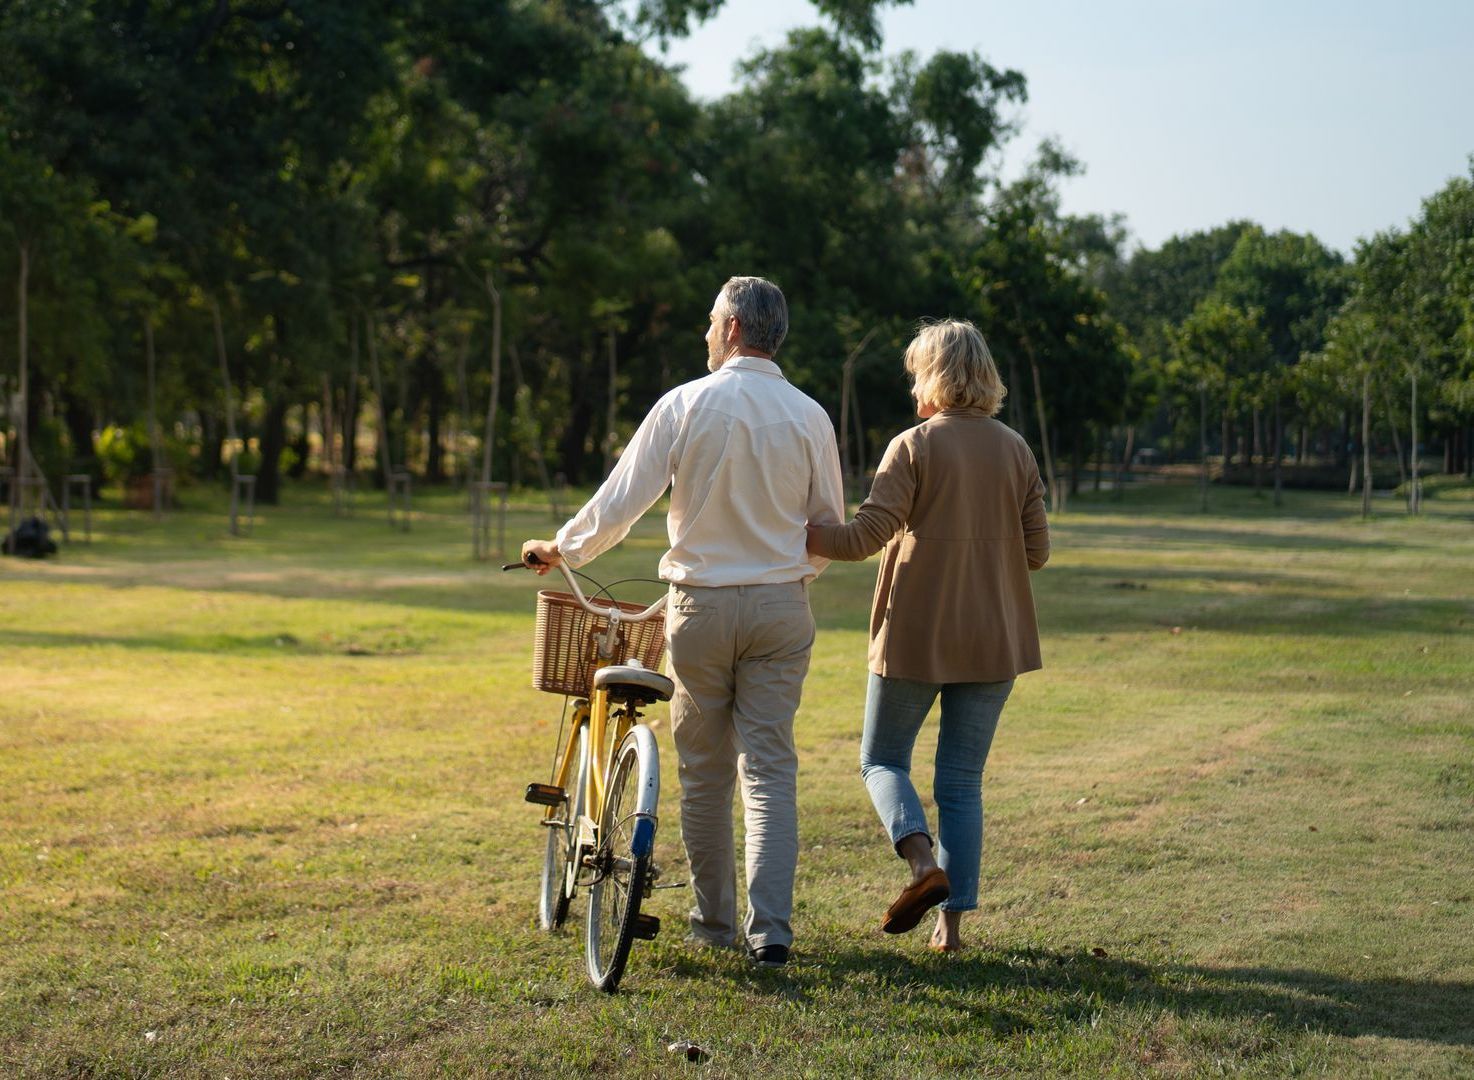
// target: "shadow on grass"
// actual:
[[1127, 598], [1071, 985], [282, 644], [1099, 534]]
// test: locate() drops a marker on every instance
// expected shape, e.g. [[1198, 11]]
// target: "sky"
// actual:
[[1334, 117]]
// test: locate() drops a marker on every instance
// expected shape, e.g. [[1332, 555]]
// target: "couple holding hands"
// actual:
[[756, 512]]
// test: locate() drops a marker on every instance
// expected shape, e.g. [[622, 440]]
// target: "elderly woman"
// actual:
[[958, 505]]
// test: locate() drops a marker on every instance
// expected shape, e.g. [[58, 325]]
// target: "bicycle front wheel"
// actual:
[[560, 869], [626, 840]]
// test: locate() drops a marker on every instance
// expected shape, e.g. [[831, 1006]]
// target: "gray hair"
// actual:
[[760, 310]]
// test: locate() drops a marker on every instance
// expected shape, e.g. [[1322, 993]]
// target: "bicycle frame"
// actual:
[[603, 740], [603, 803]]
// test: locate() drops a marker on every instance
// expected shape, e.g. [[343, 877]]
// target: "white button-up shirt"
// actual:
[[749, 459]]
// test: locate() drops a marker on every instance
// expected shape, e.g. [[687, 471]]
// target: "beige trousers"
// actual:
[[739, 655]]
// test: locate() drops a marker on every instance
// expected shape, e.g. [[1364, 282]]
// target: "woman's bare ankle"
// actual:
[[916, 849], [948, 932]]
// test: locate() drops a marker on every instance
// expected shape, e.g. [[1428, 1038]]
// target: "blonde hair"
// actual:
[[951, 368]]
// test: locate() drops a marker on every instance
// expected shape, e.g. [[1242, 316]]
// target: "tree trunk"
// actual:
[[534, 433], [328, 410], [212, 444], [1125, 467], [1415, 489], [1366, 444], [1396, 438], [154, 441], [22, 434], [80, 421], [571, 447], [845, 377], [273, 440], [385, 458], [229, 392], [1256, 449], [301, 446], [1279, 453], [350, 401], [1203, 444], [852, 475], [350, 425], [1016, 411], [434, 424], [611, 410], [489, 438], [1055, 495]]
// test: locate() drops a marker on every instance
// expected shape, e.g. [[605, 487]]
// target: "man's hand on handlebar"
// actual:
[[541, 556]]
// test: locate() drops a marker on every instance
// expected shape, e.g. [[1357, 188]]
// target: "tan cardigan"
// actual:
[[959, 507]]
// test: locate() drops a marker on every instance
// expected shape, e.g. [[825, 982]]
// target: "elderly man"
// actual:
[[749, 460]]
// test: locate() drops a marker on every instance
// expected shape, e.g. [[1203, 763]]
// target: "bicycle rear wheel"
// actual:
[[626, 840], [559, 866]]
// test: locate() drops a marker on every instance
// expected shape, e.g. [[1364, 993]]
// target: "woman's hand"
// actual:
[[811, 542]]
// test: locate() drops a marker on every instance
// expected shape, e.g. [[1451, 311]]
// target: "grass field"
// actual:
[[260, 814]]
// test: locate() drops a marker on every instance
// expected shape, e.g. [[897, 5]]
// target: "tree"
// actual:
[[1212, 343]]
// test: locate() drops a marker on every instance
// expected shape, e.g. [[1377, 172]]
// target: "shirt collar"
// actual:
[[753, 363]]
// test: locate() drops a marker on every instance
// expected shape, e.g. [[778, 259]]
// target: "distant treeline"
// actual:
[[261, 236]]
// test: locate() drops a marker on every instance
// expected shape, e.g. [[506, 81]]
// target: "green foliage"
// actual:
[[308, 170], [125, 452]]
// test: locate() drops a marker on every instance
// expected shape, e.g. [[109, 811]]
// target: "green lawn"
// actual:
[[260, 814]]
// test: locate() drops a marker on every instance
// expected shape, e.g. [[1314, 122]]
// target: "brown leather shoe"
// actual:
[[915, 901]]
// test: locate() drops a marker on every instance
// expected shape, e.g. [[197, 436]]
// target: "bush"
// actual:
[[124, 452], [248, 463]]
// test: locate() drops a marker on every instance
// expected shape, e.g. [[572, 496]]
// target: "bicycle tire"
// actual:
[[559, 871], [615, 898]]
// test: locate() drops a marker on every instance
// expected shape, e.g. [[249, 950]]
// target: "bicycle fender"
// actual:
[[647, 795]]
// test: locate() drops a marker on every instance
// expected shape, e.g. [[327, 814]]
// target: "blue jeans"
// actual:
[[894, 711]]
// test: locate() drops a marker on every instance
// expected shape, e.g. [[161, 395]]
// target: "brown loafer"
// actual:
[[915, 901]]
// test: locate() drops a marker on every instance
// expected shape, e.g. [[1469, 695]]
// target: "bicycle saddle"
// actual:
[[626, 682]]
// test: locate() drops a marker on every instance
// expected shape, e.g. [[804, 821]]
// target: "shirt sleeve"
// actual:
[[883, 514], [639, 477], [826, 485], [1034, 519]]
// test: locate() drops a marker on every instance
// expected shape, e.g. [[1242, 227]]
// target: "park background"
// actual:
[[310, 307]]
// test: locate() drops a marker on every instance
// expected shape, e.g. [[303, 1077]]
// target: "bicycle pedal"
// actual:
[[646, 927], [672, 885], [545, 794]]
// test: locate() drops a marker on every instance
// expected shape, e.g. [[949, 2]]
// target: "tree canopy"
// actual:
[[331, 218]]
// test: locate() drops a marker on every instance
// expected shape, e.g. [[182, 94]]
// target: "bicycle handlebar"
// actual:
[[613, 612]]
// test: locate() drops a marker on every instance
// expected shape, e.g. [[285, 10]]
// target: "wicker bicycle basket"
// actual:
[[564, 654]]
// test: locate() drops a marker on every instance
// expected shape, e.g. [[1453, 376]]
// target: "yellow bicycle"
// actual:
[[601, 800]]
